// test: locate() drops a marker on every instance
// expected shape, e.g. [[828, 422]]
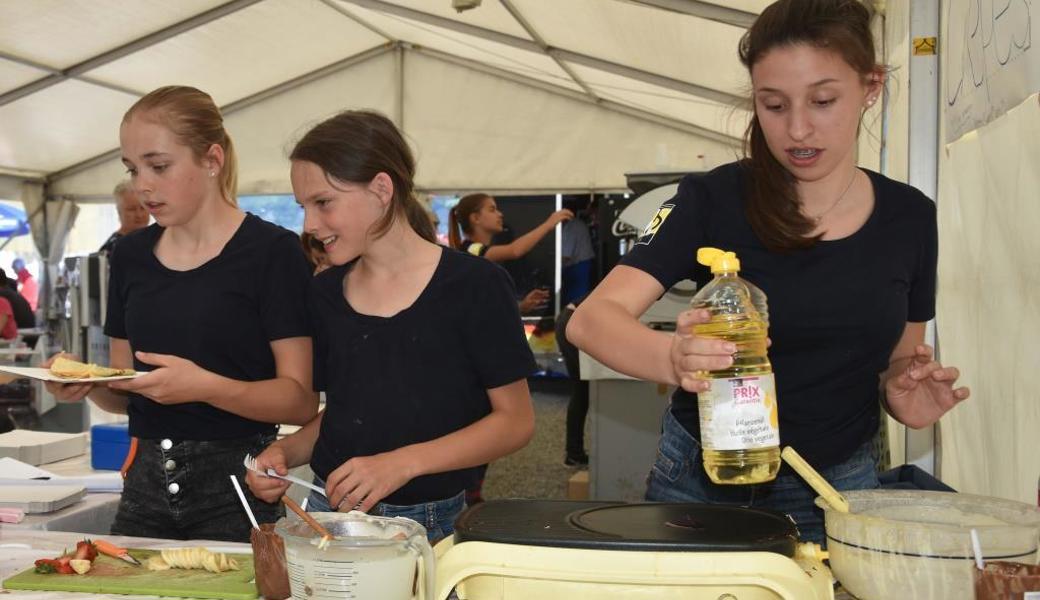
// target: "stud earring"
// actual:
[[212, 173]]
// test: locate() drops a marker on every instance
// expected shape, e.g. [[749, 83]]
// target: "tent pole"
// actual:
[[923, 160]]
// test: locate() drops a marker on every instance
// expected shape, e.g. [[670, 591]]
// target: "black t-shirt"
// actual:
[[836, 310], [222, 315], [418, 375], [23, 313], [110, 242]]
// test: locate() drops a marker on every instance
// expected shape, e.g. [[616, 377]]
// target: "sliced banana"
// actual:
[[192, 558], [80, 566], [156, 563]]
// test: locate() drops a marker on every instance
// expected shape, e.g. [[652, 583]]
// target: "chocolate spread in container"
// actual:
[[272, 579], [1007, 581]]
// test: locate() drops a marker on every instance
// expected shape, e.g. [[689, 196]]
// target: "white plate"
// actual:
[[46, 375]]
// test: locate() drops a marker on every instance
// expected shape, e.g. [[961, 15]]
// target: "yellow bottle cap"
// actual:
[[720, 261]]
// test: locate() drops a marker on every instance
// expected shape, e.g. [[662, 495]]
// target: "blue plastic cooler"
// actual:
[[109, 445]]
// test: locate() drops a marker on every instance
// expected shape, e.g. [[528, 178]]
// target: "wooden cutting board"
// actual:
[[113, 576]]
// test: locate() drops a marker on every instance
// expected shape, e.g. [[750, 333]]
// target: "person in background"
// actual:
[[27, 286], [8, 326], [576, 256], [210, 303], [476, 219], [315, 252], [435, 221], [132, 214], [23, 313], [472, 223], [419, 348], [846, 256], [578, 404]]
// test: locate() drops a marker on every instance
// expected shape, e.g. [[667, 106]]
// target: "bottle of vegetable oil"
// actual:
[[740, 433]]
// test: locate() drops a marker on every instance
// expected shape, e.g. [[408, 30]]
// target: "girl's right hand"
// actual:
[[66, 392], [269, 489], [692, 355], [559, 217]]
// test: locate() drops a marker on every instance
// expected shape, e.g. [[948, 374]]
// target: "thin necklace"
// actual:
[[816, 220]]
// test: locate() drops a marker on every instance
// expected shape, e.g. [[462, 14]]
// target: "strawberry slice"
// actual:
[[63, 565], [46, 566], [85, 550]]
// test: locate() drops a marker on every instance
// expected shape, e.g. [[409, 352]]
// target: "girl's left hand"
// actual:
[[361, 482], [924, 391], [176, 380]]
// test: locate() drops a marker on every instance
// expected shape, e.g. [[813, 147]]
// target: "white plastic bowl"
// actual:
[[917, 544]]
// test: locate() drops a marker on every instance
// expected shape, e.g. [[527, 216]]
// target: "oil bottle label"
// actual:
[[739, 413]]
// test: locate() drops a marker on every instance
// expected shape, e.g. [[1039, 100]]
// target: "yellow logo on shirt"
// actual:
[[475, 249], [655, 223]]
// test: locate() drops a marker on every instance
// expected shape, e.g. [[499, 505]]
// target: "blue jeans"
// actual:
[[678, 476], [438, 517]]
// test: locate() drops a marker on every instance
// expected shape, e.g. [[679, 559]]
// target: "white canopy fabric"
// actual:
[[514, 95]]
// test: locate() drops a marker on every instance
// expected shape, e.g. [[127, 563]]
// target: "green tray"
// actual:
[[113, 576]]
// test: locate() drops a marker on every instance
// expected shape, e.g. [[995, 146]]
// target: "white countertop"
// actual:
[[93, 514]]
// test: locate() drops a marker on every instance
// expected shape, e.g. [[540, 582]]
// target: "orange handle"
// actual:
[[130, 455], [109, 548]]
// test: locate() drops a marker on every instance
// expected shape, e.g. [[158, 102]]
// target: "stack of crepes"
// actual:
[[72, 369]]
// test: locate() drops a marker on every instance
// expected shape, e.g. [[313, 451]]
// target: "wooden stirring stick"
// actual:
[[316, 526], [815, 480]]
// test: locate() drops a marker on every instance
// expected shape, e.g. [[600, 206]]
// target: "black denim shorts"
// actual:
[[182, 490]]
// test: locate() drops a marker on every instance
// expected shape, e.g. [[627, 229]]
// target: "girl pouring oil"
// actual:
[[846, 256]]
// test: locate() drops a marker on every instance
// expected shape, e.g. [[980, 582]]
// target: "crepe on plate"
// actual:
[[72, 369]]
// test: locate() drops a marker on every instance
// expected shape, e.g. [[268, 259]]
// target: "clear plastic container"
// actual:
[[370, 557], [917, 544], [740, 431]]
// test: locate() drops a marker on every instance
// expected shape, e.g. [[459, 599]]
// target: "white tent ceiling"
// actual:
[[522, 95]]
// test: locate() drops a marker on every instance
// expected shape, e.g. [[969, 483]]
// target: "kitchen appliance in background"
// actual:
[[546, 549], [81, 289], [84, 287], [625, 414], [633, 222]]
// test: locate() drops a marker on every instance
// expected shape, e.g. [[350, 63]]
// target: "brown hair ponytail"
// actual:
[[454, 229], [458, 217], [357, 145], [842, 26]]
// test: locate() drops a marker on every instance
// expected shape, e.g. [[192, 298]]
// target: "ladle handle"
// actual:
[[316, 526], [815, 480]]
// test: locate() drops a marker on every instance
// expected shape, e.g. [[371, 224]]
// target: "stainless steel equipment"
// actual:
[[624, 413]]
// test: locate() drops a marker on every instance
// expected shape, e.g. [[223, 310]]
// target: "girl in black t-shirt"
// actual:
[[477, 217], [210, 302], [847, 258], [419, 348]]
